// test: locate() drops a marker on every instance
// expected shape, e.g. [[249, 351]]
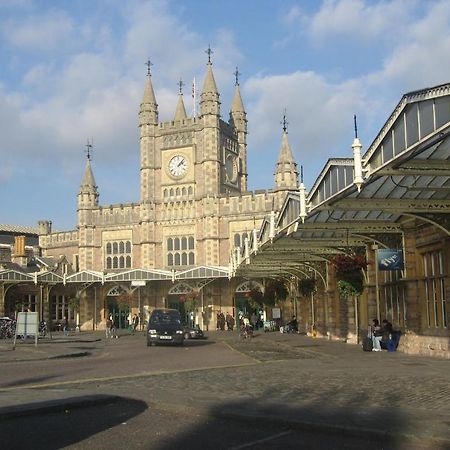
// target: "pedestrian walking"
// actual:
[[65, 326], [113, 329], [135, 323], [254, 320], [108, 328], [232, 321], [222, 322], [130, 322]]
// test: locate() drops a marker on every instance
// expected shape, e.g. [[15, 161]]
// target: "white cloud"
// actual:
[[360, 19], [421, 59], [43, 33], [320, 115]]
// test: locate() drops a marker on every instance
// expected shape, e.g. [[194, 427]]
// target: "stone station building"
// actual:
[[173, 245], [198, 237]]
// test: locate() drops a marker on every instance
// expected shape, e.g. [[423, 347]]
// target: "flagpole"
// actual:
[[194, 96]]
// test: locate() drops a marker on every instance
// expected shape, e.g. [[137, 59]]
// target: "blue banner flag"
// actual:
[[390, 259]]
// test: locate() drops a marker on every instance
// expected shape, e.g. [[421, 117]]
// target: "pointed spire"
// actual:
[[209, 98], [209, 85], [88, 193], [237, 105], [149, 94], [149, 107], [285, 155], [88, 181], [180, 112], [286, 173]]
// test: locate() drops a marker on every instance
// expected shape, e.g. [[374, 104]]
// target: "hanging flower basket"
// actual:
[[276, 289], [124, 301], [349, 274], [307, 286], [74, 303], [256, 298]]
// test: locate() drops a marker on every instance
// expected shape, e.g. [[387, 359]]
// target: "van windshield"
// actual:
[[159, 317]]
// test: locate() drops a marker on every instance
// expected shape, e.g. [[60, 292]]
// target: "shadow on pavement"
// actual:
[[251, 425], [24, 381], [54, 425]]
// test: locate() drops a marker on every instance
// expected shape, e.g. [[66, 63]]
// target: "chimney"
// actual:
[[45, 226], [19, 256]]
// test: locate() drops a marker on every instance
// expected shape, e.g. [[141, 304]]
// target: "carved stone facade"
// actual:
[[193, 181]]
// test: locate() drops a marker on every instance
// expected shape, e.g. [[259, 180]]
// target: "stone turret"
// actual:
[[238, 119], [148, 124], [87, 195], [209, 98], [180, 112], [286, 173], [148, 114]]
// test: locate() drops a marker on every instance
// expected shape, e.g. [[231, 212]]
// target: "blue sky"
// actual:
[[72, 70]]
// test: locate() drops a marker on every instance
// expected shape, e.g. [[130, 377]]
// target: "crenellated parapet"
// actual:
[[118, 214], [59, 239], [251, 202]]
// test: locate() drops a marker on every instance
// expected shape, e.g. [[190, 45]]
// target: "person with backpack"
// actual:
[[377, 335]]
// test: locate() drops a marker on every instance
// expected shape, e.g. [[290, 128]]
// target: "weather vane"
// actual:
[[148, 64], [180, 85], [89, 146], [209, 52], [284, 122], [236, 76]]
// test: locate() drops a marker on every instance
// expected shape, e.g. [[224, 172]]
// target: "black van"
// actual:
[[165, 327]]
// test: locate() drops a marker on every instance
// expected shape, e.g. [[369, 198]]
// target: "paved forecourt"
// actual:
[[296, 380]]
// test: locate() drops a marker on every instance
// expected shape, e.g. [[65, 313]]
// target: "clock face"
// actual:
[[231, 168], [178, 166]]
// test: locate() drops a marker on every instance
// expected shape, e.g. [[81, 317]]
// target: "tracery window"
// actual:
[[434, 284], [180, 251], [118, 255], [393, 298]]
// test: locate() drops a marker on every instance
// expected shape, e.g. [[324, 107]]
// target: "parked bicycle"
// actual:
[[43, 329], [246, 331], [7, 327]]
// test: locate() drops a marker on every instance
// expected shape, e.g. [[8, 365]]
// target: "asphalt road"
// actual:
[[128, 423], [273, 392], [121, 357]]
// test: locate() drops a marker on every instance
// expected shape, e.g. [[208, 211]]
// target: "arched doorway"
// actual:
[[242, 302], [118, 305], [183, 298]]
